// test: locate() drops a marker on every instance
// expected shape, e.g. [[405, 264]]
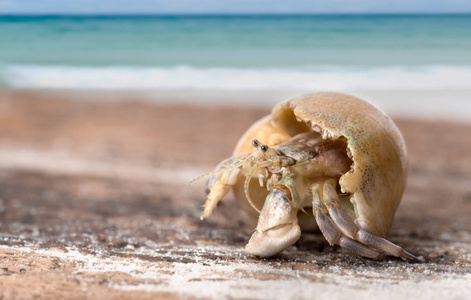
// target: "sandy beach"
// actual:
[[95, 203]]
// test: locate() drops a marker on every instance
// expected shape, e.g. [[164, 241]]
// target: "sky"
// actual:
[[231, 6]]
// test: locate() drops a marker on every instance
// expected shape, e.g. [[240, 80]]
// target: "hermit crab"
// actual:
[[322, 160]]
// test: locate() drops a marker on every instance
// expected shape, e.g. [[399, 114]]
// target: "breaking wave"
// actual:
[[192, 78]]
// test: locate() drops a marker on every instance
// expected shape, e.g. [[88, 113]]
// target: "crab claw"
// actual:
[[277, 227], [217, 187], [221, 181]]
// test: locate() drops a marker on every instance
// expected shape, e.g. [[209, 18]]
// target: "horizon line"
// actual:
[[191, 14]]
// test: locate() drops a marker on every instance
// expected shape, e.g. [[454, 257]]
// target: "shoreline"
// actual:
[[443, 105]]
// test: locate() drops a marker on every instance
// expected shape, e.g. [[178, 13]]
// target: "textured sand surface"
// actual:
[[94, 203]]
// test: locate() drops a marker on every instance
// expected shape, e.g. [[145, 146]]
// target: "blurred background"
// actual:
[[406, 57], [109, 108]]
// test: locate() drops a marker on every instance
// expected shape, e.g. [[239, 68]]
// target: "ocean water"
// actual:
[[311, 52]]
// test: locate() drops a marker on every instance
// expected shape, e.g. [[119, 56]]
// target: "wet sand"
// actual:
[[94, 203]]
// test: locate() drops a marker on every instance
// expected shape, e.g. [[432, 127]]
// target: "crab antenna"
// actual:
[[220, 171], [247, 181]]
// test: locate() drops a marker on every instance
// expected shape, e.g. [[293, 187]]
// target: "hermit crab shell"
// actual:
[[378, 173]]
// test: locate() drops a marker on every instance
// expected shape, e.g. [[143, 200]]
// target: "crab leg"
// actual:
[[220, 184], [332, 233], [277, 227], [349, 229]]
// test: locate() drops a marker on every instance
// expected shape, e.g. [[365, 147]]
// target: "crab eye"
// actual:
[[255, 143], [264, 148]]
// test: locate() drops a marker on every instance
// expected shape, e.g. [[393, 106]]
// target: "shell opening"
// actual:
[[286, 120]]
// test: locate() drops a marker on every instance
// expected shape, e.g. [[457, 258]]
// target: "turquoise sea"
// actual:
[[225, 52]]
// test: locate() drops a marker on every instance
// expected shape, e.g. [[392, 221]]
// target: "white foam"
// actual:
[[191, 78]]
